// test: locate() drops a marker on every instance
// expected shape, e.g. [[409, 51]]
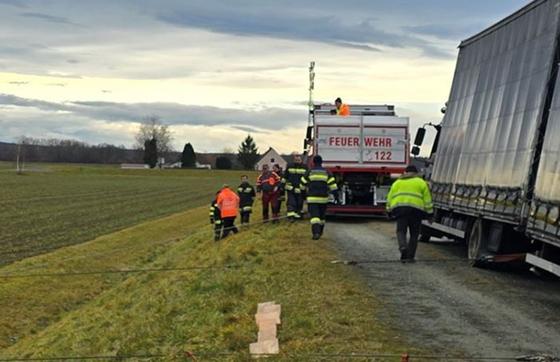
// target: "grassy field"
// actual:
[[326, 309], [57, 205], [128, 267]]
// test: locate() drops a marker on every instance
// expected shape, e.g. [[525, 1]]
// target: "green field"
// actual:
[[57, 205], [128, 268]]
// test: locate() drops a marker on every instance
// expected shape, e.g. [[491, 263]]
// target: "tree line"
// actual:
[[153, 142], [71, 151]]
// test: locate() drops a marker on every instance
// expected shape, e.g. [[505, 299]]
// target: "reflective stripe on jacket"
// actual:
[[214, 212], [246, 194], [292, 177], [318, 183], [410, 190]]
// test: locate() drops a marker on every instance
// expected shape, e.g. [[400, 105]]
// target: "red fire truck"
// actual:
[[365, 152]]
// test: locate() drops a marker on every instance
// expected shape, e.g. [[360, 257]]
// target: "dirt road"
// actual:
[[450, 307]]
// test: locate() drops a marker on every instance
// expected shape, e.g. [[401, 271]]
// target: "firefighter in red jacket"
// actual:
[[268, 183]]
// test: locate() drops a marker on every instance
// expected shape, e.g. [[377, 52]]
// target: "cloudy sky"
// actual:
[[215, 70]]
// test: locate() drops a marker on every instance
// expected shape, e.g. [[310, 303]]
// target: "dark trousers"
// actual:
[[245, 216], [408, 219], [295, 204], [270, 200], [229, 226], [217, 230], [317, 212]]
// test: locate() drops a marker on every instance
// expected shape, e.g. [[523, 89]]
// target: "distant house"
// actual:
[[270, 158]]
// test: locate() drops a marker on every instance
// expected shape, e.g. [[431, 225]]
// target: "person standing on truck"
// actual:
[[292, 181], [342, 109], [268, 184], [318, 183], [246, 193], [228, 203], [216, 218], [409, 201]]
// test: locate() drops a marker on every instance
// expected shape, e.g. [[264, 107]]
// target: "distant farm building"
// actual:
[[271, 158], [134, 166]]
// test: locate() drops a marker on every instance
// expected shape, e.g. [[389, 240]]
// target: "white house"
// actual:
[[271, 157]]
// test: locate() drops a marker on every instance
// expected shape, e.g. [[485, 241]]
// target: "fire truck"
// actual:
[[365, 152]]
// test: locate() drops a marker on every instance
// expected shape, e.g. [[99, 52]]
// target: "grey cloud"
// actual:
[[170, 113], [18, 83], [15, 3], [247, 129], [57, 84], [325, 29], [49, 18], [446, 31]]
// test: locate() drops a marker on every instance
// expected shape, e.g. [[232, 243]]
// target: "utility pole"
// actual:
[[18, 155], [311, 88], [311, 108]]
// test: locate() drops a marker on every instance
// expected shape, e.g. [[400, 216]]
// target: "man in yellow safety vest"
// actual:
[[409, 201]]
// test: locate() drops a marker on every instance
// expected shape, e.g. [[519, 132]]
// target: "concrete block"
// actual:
[[265, 347]]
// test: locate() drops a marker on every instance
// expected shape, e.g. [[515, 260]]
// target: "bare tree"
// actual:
[[153, 128]]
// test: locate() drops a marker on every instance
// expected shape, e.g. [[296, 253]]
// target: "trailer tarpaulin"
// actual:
[[495, 107], [544, 214]]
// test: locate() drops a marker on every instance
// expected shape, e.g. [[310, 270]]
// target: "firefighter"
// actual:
[[342, 109], [246, 193], [215, 218], [268, 184], [292, 181], [228, 203], [409, 201], [318, 183], [281, 190]]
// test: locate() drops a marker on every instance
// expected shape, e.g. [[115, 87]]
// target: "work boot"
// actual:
[[404, 256]]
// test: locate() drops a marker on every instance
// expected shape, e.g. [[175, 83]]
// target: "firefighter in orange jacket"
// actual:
[[268, 183], [228, 203], [342, 109]]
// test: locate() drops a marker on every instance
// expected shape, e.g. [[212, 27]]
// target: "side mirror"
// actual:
[[415, 151], [419, 136]]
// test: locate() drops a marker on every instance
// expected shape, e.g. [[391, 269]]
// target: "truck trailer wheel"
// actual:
[[478, 243]]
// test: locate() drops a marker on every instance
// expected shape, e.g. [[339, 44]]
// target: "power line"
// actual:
[[296, 356], [136, 270]]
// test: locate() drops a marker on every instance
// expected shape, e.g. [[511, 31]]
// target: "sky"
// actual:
[[217, 70]]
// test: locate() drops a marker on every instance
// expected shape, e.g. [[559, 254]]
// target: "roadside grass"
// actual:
[[325, 307], [70, 204], [30, 304]]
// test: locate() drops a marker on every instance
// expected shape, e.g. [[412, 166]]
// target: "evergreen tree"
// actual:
[[150, 152], [188, 158], [248, 154]]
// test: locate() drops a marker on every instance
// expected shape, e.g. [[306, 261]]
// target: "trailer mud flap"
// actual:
[[543, 264]]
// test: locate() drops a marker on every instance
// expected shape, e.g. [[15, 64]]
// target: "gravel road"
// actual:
[[449, 307]]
